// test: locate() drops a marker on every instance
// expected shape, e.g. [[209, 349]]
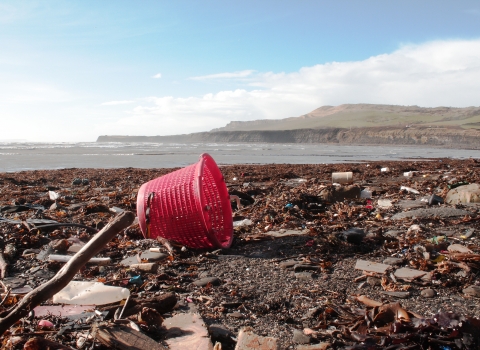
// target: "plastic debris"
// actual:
[[90, 293]]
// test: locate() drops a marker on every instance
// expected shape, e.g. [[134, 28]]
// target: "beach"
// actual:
[[296, 269]]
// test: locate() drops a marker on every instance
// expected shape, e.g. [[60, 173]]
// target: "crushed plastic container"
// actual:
[[90, 293]]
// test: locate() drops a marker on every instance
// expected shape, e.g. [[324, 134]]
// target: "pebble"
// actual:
[[473, 291], [392, 233], [236, 314], [219, 332], [401, 295], [215, 281], [427, 293], [300, 338], [441, 212], [303, 276]]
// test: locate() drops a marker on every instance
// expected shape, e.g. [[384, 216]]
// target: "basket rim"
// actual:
[[208, 161]]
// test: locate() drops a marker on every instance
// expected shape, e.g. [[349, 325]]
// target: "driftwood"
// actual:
[[42, 343], [67, 272], [125, 338], [3, 263], [162, 304]]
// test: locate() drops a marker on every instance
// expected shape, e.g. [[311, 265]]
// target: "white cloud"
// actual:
[[157, 76], [227, 75], [116, 103], [441, 73]]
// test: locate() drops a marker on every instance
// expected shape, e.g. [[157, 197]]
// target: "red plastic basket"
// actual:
[[190, 206]]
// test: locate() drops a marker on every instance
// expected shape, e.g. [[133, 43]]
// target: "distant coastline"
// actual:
[[368, 124], [425, 136]]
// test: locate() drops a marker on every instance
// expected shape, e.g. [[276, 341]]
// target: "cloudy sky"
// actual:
[[71, 71]]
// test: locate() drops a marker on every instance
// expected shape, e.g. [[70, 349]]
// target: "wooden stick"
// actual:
[[3, 263], [67, 272], [42, 343], [3, 266]]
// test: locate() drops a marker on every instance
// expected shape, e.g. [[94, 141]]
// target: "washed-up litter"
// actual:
[[464, 194], [66, 258], [409, 189], [342, 178], [90, 293]]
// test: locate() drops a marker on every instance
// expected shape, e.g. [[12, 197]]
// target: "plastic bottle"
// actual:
[[342, 178], [90, 293]]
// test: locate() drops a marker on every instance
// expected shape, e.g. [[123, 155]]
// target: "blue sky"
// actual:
[[71, 71]]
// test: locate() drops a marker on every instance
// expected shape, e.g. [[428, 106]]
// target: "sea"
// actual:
[[19, 156]]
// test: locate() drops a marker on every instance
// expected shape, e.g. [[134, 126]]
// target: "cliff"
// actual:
[[450, 137]]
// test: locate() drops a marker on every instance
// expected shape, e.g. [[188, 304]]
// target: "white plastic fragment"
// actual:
[[244, 222], [90, 293], [409, 189], [384, 203], [53, 195], [66, 258]]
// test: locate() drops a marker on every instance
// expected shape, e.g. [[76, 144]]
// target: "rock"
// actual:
[[300, 338], [408, 275], [371, 266], [374, 281], [473, 291], [186, 331], [303, 276], [215, 281], [236, 314], [288, 264], [353, 235], [247, 340], [428, 293], [409, 204], [441, 212], [384, 203], [393, 261], [464, 194], [401, 295], [219, 332], [392, 233], [458, 248], [76, 182]]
